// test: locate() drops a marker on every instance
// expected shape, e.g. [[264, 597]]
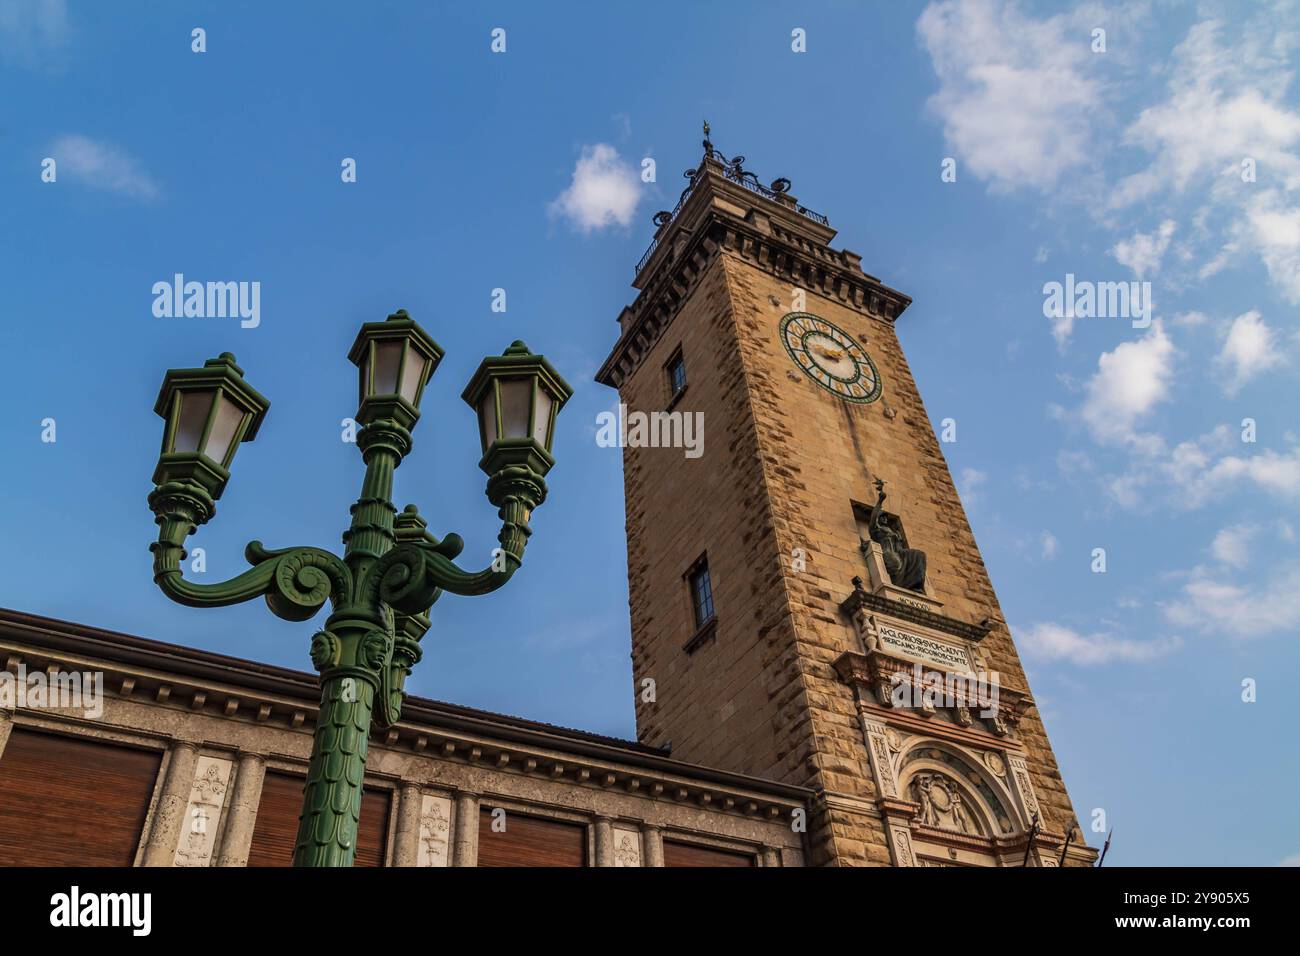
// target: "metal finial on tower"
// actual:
[[708, 146]]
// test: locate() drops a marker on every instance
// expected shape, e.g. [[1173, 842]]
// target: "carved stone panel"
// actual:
[[435, 831], [627, 847], [1023, 787], [203, 811], [878, 748], [900, 846]]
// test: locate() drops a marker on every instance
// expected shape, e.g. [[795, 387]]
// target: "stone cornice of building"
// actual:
[[1003, 844], [931, 727], [860, 598], [873, 674], [182, 678], [722, 215]]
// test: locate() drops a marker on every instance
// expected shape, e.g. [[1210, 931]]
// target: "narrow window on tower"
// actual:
[[701, 589], [675, 371]]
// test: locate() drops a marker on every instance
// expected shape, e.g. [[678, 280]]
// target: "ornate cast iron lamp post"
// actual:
[[392, 569]]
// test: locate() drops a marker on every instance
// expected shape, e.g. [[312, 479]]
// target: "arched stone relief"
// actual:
[[943, 805], [955, 790]]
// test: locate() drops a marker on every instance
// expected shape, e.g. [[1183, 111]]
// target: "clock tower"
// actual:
[[808, 602]]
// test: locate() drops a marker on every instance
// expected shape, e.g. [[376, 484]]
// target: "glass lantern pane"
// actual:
[[516, 395], [487, 417], [227, 421], [542, 417], [412, 373], [194, 415], [384, 380]]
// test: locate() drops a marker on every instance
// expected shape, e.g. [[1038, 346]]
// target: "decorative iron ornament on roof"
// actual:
[[734, 170]]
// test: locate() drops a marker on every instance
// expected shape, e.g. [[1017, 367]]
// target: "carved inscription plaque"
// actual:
[[927, 650]]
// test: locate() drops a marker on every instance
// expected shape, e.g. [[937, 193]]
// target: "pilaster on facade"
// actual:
[[169, 813], [604, 841], [652, 840], [465, 852], [410, 805], [241, 815]]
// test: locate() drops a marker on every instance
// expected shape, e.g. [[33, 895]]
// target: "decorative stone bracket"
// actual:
[[884, 678]]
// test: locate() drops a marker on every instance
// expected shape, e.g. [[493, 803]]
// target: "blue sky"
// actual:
[[518, 170]]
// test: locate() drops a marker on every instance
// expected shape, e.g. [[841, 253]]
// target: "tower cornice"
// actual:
[[725, 210]]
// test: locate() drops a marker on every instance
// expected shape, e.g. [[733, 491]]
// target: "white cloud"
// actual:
[[1227, 109], [1142, 252], [1249, 348], [1278, 473], [1025, 103], [1201, 470], [1231, 546], [1211, 603], [101, 166], [1271, 227], [1224, 105], [968, 483], [605, 190], [1015, 96], [1128, 383], [1057, 642], [31, 30], [1050, 545]]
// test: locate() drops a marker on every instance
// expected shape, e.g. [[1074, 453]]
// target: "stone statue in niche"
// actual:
[[906, 566]]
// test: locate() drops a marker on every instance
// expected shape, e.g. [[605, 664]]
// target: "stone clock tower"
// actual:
[[808, 602]]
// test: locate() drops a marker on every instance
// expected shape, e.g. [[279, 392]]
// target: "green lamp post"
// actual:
[[392, 569]]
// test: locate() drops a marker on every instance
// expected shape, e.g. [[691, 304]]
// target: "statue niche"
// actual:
[[905, 566]]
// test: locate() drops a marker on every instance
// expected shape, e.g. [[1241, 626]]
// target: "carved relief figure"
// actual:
[[207, 795], [942, 804], [866, 622], [627, 853], [433, 833], [906, 566], [921, 790], [959, 813], [210, 786]]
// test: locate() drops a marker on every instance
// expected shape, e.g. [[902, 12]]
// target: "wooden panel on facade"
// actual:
[[530, 841], [690, 854], [276, 829], [67, 801]]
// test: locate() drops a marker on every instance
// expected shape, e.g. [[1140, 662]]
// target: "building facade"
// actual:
[[195, 759], [808, 602]]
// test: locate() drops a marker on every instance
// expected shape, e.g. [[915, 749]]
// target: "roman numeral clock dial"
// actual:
[[830, 357]]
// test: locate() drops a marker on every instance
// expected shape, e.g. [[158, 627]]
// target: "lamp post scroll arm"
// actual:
[[296, 582]]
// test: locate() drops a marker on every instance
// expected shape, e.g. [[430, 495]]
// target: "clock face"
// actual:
[[830, 357]]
